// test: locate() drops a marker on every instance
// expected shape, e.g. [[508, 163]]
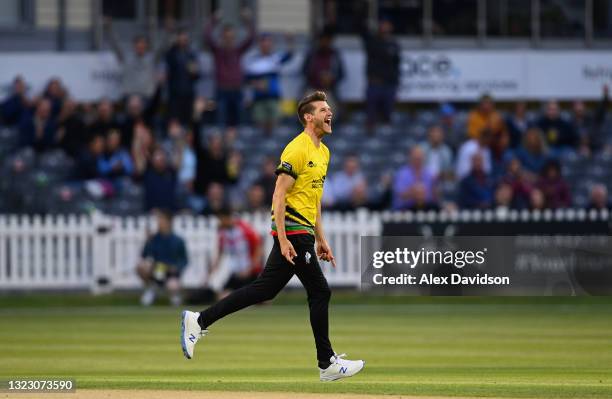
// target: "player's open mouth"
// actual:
[[327, 121]]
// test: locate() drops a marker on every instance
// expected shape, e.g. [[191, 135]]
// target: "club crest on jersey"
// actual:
[[311, 164], [307, 257]]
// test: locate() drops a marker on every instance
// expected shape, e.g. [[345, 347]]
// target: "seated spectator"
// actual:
[[116, 161], [227, 54], [438, 155], [558, 133], [519, 183], [137, 111], [517, 124], [263, 77], [323, 69], [212, 164], [468, 149], [408, 177], [536, 200], [503, 197], [56, 94], [268, 178], [88, 162], [533, 152], [72, 129], [163, 260], [143, 146], [485, 117], [500, 155], [344, 182], [16, 104], [554, 188], [421, 202], [454, 131], [39, 130], [256, 199], [476, 189], [105, 119], [215, 199], [160, 183], [598, 198], [238, 260]]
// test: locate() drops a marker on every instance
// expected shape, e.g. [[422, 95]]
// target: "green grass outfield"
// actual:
[[532, 348]]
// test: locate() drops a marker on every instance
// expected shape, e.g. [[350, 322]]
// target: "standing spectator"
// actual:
[[383, 72], [238, 260], [485, 117], [180, 146], [408, 177], [183, 70], [163, 260], [138, 67], [438, 155], [476, 189], [598, 198], [558, 133], [554, 188], [345, 182], [323, 69], [39, 130], [263, 76], [143, 146], [227, 56], [16, 104], [533, 152], [138, 110], [56, 94], [517, 124], [160, 183], [468, 149]]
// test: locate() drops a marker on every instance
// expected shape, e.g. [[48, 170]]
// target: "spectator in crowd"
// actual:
[[503, 197], [558, 133], [485, 117], [138, 110], [215, 199], [476, 189], [105, 119], [454, 131], [142, 147], [238, 260], [537, 200], [517, 124], [72, 130], [160, 183], [16, 104], [469, 148], [56, 94], [183, 71], [554, 188], [256, 199], [263, 77], [227, 55], [345, 182], [533, 152], [212, 164], [267, 179], [438, 155], [500, 154], [519, 183], [180, 146], [598, 198], [408, 177], [139, 67], [420, 200], [39, 130], [383, 72], [88, 162], [163, 260], [323, 69], [116, 161]]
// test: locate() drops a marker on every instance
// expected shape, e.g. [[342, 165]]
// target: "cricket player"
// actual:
[[296, 227]]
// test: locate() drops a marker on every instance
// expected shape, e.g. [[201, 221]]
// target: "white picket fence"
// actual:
[[100, 252]]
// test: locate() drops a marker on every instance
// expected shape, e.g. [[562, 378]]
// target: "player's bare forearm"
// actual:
[[284, 182], [319, 234]]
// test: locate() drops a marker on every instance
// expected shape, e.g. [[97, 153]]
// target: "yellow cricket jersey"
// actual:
[[307, 164]]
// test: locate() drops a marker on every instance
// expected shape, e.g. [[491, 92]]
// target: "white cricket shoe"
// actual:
[[341, 368], [191, 332]]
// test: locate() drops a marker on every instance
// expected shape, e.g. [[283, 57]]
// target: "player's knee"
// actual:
[[173, 284]]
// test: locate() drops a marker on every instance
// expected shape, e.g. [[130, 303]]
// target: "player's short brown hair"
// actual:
[[305, 105]]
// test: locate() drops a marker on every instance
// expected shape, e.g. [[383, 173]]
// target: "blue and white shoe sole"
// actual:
[[183, 343]]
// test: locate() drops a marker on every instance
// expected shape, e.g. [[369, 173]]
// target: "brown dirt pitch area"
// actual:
[[167, 394]]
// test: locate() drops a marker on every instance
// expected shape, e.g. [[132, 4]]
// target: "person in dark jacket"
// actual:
[[383, 72], [183, 71], [164, 258], [227, 56], [558, 133], [39, 130], [476, 189], [15, 105], [554, 187], [160, 183]]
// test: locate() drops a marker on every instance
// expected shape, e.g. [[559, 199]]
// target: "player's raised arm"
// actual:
[[284, 182]]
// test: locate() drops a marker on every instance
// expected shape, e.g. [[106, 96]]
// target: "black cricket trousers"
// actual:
[[276, 274]]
